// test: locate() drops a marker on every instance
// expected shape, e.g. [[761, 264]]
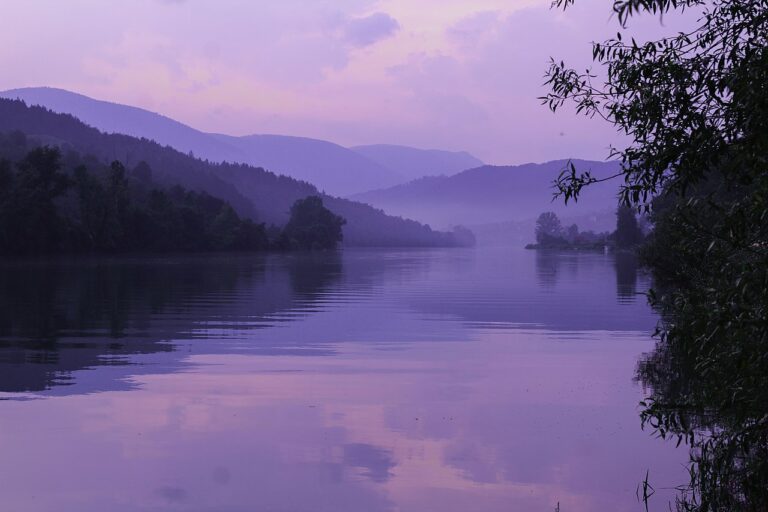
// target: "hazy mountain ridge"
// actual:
[[252, 191], [111, 117], [415, 163], [332, 168], [493, 194]]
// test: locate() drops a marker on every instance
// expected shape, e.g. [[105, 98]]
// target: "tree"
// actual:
[[572, 233], [628, 232], [32, 222], [312, 226], [694, 106], [50, 205], [548, 228]]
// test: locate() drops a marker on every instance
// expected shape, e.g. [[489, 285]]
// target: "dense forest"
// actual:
[[252, 192], [52, 203]]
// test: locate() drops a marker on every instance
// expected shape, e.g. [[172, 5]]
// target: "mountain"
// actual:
[[332, 168], [252, 191], [491, 194], [115, 118], [416, 163]]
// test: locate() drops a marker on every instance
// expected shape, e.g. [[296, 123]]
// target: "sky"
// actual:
[[448, 74]]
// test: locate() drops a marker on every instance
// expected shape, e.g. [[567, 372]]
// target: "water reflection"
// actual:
[[627, 265], [58, 318], [447, 380], [691, 402], [547, 266]]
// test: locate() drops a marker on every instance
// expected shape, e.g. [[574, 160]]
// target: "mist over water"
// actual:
[[445, 379]]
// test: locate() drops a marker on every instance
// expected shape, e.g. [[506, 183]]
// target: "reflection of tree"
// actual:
[[58, 318], [626, 264], [547, 267], [692, 401], [550, 265], [312, 272]]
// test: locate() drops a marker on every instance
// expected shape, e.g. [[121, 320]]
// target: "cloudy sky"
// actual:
[[452, 74]]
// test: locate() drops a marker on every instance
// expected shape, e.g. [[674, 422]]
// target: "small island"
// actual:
[[551, 235]]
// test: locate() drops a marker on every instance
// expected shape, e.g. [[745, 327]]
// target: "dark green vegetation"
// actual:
[[695, 106], [550, 234], [51, 204], [252, 192]]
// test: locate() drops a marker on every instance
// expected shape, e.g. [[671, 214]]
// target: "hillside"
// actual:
[[491, 194], [252, 191], [330, 167], [413, 163], [116, 118]]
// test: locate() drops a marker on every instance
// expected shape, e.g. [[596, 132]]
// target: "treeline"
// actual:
[[550, 234], [57, 203], [253, 192]]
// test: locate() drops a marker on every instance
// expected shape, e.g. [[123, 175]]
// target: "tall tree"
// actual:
[[312, 226], [628, 232], [548, 228], [33, 223]]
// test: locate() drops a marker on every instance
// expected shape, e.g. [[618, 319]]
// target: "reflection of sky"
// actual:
[[511, 421], [434, 390]]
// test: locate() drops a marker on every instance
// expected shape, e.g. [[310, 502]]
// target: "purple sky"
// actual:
[[451, 74]]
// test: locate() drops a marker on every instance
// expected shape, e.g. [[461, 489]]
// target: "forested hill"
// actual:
[[136, 122], [332, 168], [169, 167], [492, 194], [252, 191]]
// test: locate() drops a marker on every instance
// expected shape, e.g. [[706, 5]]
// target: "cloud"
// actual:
[[470, 29], [365, 31]]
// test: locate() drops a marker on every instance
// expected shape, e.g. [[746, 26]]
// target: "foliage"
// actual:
[[551, 235], [548, 228], [695, 108], [46, 209], [252, 192], [628, 233], [690, 103], [29, 219], [312, 226]]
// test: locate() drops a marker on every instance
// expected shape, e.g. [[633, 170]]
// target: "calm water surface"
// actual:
[[440, 380]]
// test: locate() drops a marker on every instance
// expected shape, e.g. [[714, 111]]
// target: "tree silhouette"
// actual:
[[628, 232], [548, 228], [312, 226], [694, 107]]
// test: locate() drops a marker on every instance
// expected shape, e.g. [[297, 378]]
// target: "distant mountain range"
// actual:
[[492, 194], [447, 188], [332, 168], [252, 191], [416, 163]]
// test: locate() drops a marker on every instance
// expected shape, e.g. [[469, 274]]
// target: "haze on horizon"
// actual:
[[451, 74]]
